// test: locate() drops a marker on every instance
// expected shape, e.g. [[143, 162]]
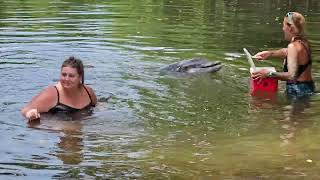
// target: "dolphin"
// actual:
[[193, 66]]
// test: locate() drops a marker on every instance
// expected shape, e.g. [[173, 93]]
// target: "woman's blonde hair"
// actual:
[[298, 21]]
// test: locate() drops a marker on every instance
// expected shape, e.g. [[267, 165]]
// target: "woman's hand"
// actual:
[[258, 75], [32, 114], [263, 55]]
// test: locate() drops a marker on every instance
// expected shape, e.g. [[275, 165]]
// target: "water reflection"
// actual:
[[294, 118], [292, 113], [71, 144], [260, 101], [69, 127]]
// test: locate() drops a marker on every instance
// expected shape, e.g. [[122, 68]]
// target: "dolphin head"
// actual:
[[194, 66]]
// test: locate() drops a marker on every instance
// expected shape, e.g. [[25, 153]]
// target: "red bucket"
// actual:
[[266, 85]]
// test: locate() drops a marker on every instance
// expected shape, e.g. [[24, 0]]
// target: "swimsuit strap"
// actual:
[[307, 48], [308, 51], [57, 94], [88, 93], [302, 67]]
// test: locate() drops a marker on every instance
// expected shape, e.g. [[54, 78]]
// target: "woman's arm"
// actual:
[[292, 60], [40, 103], [280, 53], [292, 63]]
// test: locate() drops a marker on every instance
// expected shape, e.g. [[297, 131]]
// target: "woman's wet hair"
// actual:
[[298, 21], [74, 63]]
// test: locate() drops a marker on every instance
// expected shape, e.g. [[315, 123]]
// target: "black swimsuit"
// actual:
[[60, 107], [303, 67], [297, 89]]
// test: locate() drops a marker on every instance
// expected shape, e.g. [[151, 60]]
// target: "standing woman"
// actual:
[[68, 95], [297, 63]]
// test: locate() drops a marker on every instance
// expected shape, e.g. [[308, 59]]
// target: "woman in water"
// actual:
[[68, 95], [297, 58]]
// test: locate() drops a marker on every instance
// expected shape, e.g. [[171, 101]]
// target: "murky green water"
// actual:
[[156, 126]]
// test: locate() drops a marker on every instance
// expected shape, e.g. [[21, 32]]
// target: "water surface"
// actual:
[[155, 126]]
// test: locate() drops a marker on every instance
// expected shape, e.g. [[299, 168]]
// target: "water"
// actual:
[[155, 126]]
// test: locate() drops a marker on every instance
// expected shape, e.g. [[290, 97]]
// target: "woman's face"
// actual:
[[287, 29], [69, 77]]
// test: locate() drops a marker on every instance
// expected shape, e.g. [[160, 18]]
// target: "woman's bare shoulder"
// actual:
[[89, 88], [43, 101], [47, 94], [50, 90], [296, 45], [92, 93]]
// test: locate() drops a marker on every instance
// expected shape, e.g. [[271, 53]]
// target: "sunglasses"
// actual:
[[289, 15]]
